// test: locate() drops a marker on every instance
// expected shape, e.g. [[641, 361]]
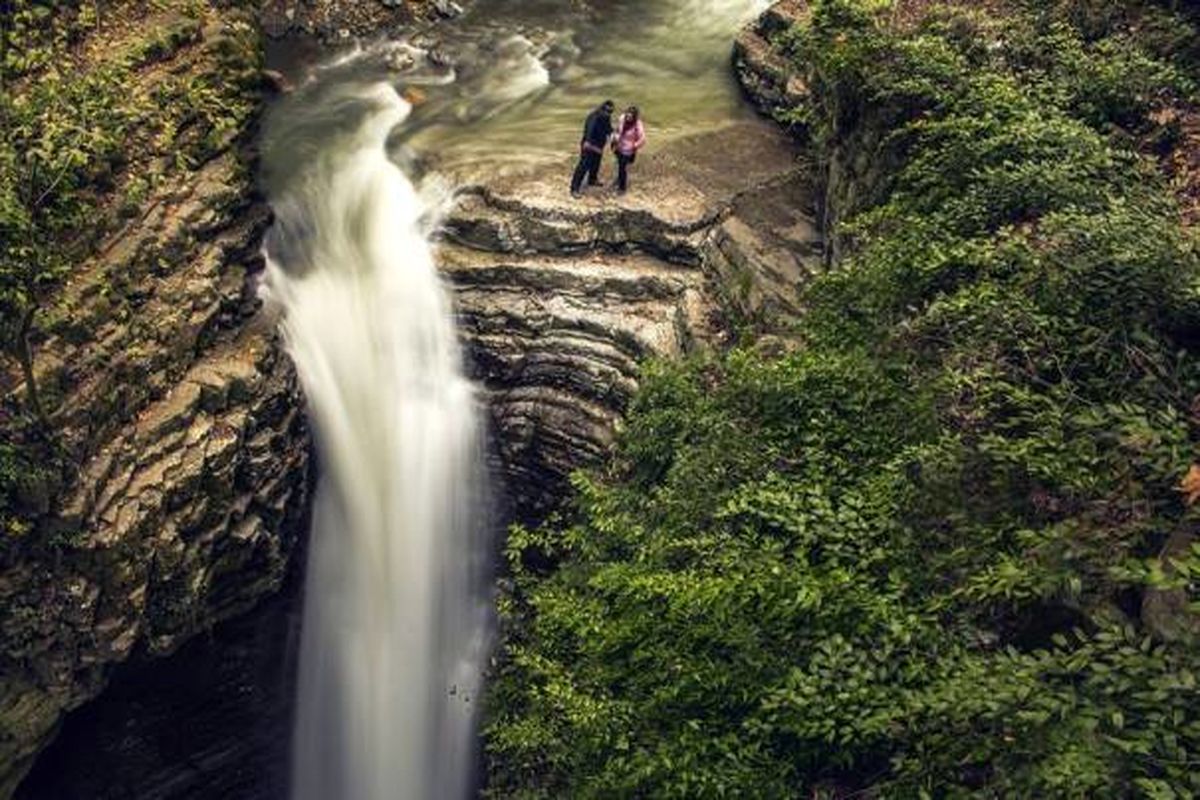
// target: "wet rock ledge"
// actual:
[[560, 299]]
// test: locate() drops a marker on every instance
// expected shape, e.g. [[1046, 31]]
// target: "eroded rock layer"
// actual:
[[183, 516], [556, 340], [168, 390], [560, 299]]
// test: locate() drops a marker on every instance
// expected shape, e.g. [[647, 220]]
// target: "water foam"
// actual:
[[395, 621]]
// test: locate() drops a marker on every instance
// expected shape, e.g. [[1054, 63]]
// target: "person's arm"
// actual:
[[614, 136], [641, 136], [588, 124]]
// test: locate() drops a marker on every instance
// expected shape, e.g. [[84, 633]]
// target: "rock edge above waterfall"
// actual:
[[560, 299]]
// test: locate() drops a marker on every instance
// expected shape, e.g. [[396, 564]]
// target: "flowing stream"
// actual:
[[396, 623]]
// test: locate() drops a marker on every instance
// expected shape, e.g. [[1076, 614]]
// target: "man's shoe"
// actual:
[[576, 195]]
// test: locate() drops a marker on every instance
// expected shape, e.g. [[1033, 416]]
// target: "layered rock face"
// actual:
[[770, 80], [194, 454], [168, 389], [766, 248], [187, 507], [560, 299]]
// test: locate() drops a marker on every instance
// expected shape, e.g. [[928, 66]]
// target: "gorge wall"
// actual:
[[194, 468], [855, 159], [178, 413]]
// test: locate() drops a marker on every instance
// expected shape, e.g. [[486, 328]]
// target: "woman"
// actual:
[[627, 140]]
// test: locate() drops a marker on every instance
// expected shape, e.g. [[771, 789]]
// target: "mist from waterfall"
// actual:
[[395, 623]]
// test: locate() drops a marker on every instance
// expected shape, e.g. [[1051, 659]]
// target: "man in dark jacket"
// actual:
[[597, 129]]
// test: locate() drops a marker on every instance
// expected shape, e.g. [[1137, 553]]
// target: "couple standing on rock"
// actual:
[[598, 132]]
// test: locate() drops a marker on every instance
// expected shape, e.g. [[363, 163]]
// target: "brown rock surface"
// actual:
[[559, 299], [770, 81], [168, 393]]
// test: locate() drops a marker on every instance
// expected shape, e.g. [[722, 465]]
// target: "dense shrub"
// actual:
[[909, 559]]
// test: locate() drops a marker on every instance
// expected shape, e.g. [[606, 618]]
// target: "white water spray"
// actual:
[[395, 621]]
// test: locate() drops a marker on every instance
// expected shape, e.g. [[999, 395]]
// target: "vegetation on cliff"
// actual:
[[162, 484], [95, 130], [947, 546]]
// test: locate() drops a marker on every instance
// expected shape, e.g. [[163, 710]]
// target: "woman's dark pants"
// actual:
[[623, 162], [589, 164]]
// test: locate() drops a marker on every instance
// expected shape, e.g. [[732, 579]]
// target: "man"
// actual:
[[597, 129]]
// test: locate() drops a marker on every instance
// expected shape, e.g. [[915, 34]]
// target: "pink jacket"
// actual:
[[629, 140]]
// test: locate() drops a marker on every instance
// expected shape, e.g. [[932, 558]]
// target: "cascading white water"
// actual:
[[395, 621]]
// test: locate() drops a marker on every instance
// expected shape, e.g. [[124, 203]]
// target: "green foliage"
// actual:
[[35, 33], [73, 127], [65, 136], [14, 470], [909, 559], [29, 473], [92, 129]]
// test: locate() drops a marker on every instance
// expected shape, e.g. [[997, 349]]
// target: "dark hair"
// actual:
[[631, 117], [608, 105]]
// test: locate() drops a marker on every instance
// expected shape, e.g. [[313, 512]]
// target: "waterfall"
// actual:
[[395, 624]]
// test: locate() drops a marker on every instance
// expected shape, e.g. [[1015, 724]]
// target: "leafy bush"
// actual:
[[35, 33], [910, 559]]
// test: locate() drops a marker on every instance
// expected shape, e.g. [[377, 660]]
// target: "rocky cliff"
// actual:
[[560, 299], [857, 157], [770, 80], [168, 393]]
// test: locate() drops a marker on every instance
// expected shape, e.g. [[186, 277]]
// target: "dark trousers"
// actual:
[[623, 162], [589, 164]]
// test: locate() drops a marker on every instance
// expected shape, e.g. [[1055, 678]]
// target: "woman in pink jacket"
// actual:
[[627, 140]]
